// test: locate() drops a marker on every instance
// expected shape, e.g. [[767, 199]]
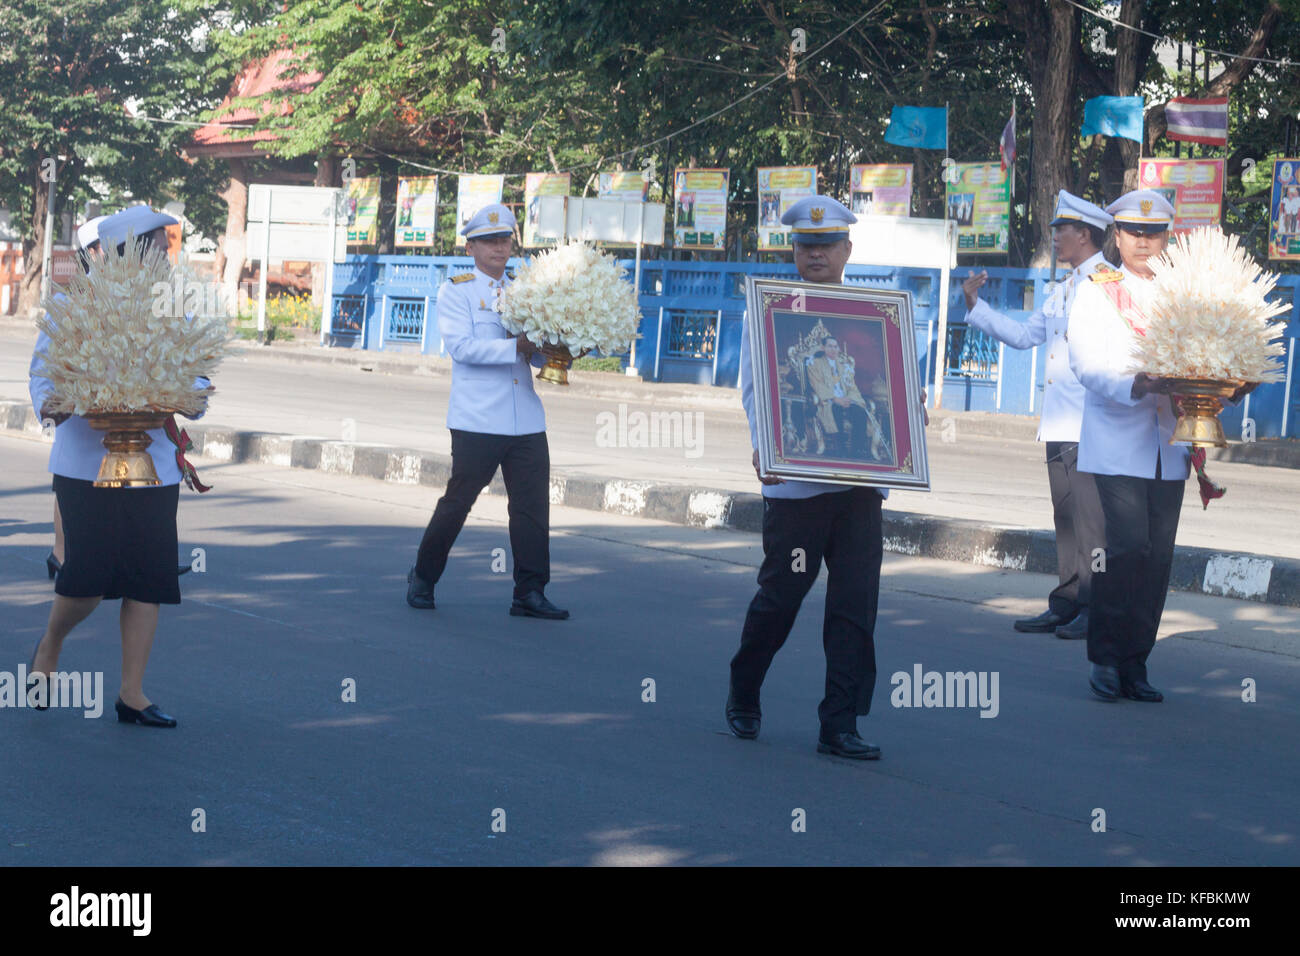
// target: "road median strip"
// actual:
[[1260, 578]]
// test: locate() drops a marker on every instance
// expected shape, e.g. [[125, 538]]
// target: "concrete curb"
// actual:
[[1264, 579]]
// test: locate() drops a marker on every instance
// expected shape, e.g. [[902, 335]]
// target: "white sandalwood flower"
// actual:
[[1209, 316], [572, 295], [110, 352]]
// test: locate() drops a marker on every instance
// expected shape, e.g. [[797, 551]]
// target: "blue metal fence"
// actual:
[[691, 320]]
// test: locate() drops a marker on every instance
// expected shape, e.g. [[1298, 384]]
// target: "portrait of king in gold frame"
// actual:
[[837, 386]]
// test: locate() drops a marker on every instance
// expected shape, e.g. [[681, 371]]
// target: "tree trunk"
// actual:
[[29, 290], [1126, 76], [327, 175], [1052, 51], [230, 265]]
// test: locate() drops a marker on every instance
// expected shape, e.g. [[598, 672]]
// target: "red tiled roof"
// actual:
[[262, 76]]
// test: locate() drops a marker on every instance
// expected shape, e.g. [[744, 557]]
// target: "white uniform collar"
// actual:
[[488, 279], [1086, 267]]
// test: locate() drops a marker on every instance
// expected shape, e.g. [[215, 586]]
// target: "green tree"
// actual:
[[77, 79]]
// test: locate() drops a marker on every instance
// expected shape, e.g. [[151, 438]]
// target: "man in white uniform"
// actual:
[[1124, 442], [1078, 234], [496, 420]]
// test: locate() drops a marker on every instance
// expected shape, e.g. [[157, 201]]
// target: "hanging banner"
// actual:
[[363, 211], [881, 190], [417, 211], [979, 201], [1284, 211], [1194, 187], [537, 185], [779, 188], [630, 186], [700, 208], [472, 194]]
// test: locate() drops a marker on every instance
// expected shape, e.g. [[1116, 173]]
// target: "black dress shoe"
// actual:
[[33, 682], [419, 592], [1104, 681], [151, 716], [534, 604], [847, 745], [1076, 630], [52, 565], [743, 721], [1140, 690], [1045, 623]]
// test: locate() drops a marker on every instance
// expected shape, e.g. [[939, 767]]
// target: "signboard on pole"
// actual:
[[417, 211], [302, 223], [1194, 187], [779, 188], [979, 202], [537, 185], [1284, 211], [881, 190], [362, 211], [700, 209], [472, 194]]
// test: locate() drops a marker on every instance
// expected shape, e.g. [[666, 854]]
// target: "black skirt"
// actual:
[[118, 542]]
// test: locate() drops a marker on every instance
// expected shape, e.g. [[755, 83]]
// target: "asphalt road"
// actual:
[[465, 711], [994, 480]]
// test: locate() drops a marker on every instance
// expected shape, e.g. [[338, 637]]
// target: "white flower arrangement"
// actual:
[[572, 295], [111, 350], [1209, 315]]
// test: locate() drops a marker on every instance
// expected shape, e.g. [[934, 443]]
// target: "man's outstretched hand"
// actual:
[[971, 287]]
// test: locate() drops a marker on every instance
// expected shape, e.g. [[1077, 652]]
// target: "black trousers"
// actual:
[[525, 463], [1080, 527], [1129, 596], [842, 528], [855, 416]]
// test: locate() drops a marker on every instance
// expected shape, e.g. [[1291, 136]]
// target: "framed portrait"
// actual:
[[837, 388]]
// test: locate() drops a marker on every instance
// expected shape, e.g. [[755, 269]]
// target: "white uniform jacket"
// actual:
[[1121, 435], [1062, 415], [491, 385]]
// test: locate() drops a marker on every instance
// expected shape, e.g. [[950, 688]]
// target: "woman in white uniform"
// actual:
[[119, 543]]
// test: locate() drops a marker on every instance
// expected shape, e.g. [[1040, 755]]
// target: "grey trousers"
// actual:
[[1080, 527]]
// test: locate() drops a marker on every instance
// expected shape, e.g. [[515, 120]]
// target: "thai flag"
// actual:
[[1007, 148], [1198, 121]]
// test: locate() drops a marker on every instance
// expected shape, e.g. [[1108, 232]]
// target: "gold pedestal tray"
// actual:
[[127, 463], [558, 361], [1198, 404]]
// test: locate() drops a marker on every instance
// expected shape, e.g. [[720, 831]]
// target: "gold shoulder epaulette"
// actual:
[[510, 275], [1106, 275], [463, 277]]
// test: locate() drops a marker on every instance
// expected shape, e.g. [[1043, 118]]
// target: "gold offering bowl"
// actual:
[[127, 463], [1197, 402], [558, 361]]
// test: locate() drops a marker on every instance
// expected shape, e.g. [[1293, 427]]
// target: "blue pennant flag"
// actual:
[[1113, 116], [923, 126]]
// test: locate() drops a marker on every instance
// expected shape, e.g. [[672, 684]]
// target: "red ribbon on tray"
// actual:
[[1209, 490], [181, 439]]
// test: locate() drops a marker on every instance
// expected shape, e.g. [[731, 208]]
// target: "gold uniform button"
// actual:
[[1049, 381], [516, 381]]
